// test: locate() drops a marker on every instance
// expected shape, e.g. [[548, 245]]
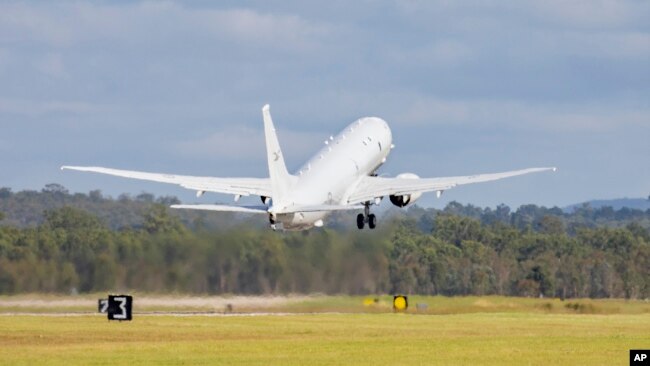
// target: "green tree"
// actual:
[[158, 220], [552, 225]]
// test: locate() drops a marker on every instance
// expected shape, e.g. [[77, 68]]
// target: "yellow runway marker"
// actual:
[[400, 303]]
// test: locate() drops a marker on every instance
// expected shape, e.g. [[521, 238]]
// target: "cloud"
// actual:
[[407, 108], [5, 60], [587, 14], [482, 15], [65, 24], [613, 45], [241, 144], [245, 25], [35, 108], [51, 65]]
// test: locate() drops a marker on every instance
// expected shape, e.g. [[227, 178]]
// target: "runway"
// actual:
[[171, 313]]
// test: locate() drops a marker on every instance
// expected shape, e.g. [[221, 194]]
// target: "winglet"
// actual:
[[280, 178]]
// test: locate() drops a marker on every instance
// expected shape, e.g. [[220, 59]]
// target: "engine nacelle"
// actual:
[[403, 200]]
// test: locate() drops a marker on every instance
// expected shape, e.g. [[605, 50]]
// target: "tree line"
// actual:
[[73, 245]]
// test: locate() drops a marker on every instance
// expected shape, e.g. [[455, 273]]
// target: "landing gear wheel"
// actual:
[[361, 220], [272, 222], [372, 221]]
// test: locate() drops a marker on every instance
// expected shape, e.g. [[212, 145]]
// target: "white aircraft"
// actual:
[[341, 176]]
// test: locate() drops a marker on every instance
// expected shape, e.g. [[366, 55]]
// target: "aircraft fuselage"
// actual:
[[331, 175]]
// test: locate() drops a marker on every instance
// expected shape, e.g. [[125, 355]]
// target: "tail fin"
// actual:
[[280, 178]]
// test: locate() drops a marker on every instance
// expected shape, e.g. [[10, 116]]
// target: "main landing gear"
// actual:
[[366, 216], [272, 222]]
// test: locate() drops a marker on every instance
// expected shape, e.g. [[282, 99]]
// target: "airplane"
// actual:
[[342, 176]]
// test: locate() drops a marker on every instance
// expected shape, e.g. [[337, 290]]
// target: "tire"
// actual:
[[360, 221], [372, 221]]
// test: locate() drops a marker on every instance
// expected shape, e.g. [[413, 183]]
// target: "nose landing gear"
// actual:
[[366, 217]]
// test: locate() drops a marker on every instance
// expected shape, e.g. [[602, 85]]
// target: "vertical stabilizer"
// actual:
[[280, 178]]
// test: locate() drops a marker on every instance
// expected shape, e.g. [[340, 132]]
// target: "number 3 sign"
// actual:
[[119, 307]]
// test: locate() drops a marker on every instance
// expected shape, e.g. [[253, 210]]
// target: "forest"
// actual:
[[54, 241]]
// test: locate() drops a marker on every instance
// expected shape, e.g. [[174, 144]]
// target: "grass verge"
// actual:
[[322, 339]]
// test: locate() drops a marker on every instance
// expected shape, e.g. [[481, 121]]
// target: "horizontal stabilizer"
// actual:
[[319, 208], [224, 208], [264, 209]]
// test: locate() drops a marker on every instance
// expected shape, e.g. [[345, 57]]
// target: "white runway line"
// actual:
[[52, 315], [174, 314], [236, 314]]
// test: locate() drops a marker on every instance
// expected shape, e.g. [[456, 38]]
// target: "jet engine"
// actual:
[[406, 199]]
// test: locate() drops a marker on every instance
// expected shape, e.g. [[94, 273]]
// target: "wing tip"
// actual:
[[266, 107]]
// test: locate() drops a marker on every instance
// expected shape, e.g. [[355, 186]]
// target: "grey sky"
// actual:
[[467, 87]]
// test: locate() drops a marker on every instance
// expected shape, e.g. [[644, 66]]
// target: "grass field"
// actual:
[[509, 331]]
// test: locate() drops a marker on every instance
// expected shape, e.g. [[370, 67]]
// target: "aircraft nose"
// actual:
[[384, 126], [376, 121], [379, 126]]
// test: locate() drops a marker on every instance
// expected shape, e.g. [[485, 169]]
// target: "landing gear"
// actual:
[[366, 216], [272, 222]]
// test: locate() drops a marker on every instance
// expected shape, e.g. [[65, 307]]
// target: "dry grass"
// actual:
[[462, 330], [319, 339]]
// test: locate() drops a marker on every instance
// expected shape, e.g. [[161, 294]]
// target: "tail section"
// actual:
[[280, 177]]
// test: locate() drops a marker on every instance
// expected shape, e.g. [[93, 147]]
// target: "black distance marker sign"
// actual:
[[102, 306], [120, 307]]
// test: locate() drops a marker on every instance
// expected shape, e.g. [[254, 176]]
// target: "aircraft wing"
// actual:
[[372, 187], [240, 186]]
